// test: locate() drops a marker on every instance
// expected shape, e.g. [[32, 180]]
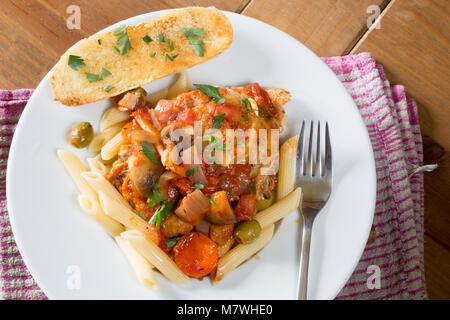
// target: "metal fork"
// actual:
[[314, 176]]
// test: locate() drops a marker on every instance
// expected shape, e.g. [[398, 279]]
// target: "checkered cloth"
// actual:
[[392, 123]]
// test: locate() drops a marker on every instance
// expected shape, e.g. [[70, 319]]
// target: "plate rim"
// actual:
[[13, 147]]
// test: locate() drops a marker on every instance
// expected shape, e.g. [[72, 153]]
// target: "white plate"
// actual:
[[53, 234]]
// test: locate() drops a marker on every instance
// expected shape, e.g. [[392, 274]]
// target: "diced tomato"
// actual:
[[196, 254], [246, 207], [186, 118], [182, 184], [143, 112], [261, 97], [165, 111], [232, 112]]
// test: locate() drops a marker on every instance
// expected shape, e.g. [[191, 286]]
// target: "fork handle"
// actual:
[[302, 286]]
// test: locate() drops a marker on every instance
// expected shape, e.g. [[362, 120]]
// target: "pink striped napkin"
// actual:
[[392, 122]]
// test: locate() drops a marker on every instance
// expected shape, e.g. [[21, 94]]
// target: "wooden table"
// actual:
[[412, 43]]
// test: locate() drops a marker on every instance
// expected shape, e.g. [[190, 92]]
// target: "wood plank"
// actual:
[[34, 33], [413, 45], [327, 27], [437, 266]]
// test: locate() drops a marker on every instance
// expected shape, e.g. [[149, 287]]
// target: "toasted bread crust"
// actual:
[[136, 68]]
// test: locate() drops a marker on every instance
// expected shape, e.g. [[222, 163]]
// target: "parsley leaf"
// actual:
[[191, 171], [148, 152], [155, 198], [147, 39], [123, 42], [173, 241], [247, 104], [210, 91], [140, 214], [210, 200], [171, 58], [76, 62], [198, 185], [193, 35], [108, 88], [163, 211], [218, 120], [99, 42], [153, 54], [161, 37], [157, 186], [105, 73], [93, 77]]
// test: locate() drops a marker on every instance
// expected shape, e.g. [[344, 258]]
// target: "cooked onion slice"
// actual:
[[193, 207]]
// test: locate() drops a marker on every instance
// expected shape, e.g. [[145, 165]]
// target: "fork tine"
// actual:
[[328, 161], [300, 153], [309, 162], [318, 170]]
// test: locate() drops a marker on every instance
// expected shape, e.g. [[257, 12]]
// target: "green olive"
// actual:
[[265, 201], [247, 231], [81, 135], [140, 91]]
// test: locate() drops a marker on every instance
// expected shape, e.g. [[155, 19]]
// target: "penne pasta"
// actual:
[[156, 256], [112, 117], [127, 217], [92, 207], [98, 166], [75, 167], [100, 184], [179, 86], [112, 147], [286, 169], [241, 253], [154, 97], [280, 209], [103, 137], [142, 268]]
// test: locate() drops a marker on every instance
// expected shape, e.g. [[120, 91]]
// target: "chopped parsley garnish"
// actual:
[[93, 77], [193, 35], [216, 164], [123, 42], [210, 200], [105, 73], [148, 152], [108, 88], [161, 37], [76, 62], [210, 91], [147, 39], [164, 210], [155, 198], [218, 120], [198, 185], [117, 49], [173, 241], [99, 42], [157, 186], [215, 142], [171, 58], [153, 54], [247, 104], [140, 214], [192, 171]]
